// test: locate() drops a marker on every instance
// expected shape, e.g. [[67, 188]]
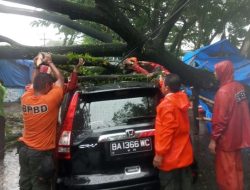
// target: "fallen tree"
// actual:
[[147, 47], [19, 51]]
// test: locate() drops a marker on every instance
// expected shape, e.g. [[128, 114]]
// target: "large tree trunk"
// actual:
[[245, 48], [29, 52]]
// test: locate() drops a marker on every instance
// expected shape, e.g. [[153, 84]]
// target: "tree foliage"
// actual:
[[157, 30]]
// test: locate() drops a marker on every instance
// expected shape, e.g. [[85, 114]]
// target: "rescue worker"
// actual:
[[40, 105], [72, 82], [173, 149], [2, 120], [230, 128], [144, 67]]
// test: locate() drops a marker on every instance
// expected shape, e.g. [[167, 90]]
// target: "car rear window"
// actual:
[[104, 114], [110, 113]]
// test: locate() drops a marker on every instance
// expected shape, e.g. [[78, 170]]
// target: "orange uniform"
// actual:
[[40, 115], [145, 67], [172, 138]]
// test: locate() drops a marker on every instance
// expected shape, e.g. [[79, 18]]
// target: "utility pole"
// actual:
[[44, 39]]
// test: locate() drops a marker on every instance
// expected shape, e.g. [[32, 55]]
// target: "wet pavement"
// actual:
[[206, 179], [9, 167]]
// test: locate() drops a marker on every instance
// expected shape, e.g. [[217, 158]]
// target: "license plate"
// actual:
[[130, 146]]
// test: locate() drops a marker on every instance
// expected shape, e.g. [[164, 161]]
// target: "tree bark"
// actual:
[[61, 19], [180, 35], [29, 52], [189, 75], [9, 41], [168, 25], [245, 48], [101, 14]]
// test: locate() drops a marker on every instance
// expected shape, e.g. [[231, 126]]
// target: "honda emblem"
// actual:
[[130, 133]]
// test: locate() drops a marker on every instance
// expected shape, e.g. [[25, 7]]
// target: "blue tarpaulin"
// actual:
[[207, 56], [16, 73]]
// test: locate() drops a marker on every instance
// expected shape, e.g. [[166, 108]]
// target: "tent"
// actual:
[[15, 74], [207, 56]]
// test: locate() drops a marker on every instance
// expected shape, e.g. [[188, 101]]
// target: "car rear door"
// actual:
[[113, 141]]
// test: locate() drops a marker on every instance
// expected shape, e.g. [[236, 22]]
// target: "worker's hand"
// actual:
[[35, 61], [38, 60], [157, 161], [128, 64], [81, 62], [150, 75], [212, 146], [161, 81], [47, 58], [134, 66]]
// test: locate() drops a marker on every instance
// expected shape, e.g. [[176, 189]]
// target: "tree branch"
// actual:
[[59, 19], [19, 51], [245, 48], [101, 14], [181, 33], [168, 25], [118, 22], [188, 74], [9, 41], [155, 15], [144, 8]]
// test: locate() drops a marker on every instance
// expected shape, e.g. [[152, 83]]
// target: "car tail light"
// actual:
[[63, 147], [147, 133]]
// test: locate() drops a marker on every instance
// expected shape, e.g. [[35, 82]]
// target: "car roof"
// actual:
[[118, 91], [118, 86]]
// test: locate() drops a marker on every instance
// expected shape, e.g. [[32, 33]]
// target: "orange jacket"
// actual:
[[172, 138]]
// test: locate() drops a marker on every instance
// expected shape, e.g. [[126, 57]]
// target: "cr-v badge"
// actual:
[[88, 145]]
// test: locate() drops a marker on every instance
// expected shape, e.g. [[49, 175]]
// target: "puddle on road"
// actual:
[[9, 171]]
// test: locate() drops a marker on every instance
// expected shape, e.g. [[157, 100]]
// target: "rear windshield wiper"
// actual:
[[139, 119]]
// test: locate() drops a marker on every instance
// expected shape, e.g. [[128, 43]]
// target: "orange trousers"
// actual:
[[228, 168]]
